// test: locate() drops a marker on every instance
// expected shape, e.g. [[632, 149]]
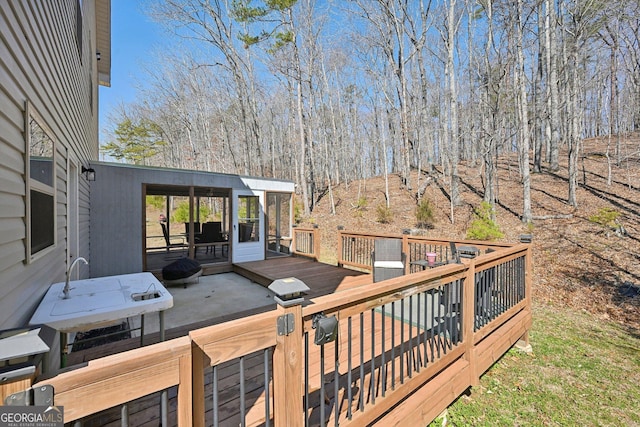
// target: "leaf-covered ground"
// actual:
[[577, 262]]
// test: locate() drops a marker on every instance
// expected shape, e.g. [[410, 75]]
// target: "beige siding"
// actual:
[[40, 64]]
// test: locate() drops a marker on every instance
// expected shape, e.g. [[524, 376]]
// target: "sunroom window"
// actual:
[[41, 187]]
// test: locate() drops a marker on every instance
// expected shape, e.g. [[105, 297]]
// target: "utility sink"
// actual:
[[90, 302], [101, 300]]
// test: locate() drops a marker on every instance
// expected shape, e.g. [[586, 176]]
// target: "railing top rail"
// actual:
[[370, 235], [306, 229], [487, 260], [140, 372], [238, 337], [414, 238], [107, 367], [444, 242], [373, 292]]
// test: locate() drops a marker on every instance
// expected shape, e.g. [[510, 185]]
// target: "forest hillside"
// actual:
[[586, 257]]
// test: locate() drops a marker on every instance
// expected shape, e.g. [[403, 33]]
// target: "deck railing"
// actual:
[[122, 379], [355, 249], [306, 242], [406, 348]]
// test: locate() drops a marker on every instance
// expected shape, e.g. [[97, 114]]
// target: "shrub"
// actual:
[[181, 213], [362, 203], [384, 214], [424, 214], [483, 227], [298, 210], [606, 217], [157, 202]]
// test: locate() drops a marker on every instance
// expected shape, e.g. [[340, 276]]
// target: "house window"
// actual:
[[248, 218], [40, 186]]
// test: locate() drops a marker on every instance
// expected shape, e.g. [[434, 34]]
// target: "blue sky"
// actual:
[[133, 37]]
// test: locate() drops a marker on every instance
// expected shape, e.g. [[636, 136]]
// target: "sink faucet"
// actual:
[[66, 284]]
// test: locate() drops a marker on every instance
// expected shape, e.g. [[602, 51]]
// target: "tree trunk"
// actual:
[[452, 104], [554, 113], [524, 118]]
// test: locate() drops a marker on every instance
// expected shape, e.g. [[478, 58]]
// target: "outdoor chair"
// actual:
[[167, 239], [246, 230], [455, 256], [196, 235], [196, 229], [212, 233], [388, 259]]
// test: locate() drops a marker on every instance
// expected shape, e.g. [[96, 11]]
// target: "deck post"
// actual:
[[468, 320], [288, 355], [339, 251], [198, 361], [528, 282], [316, 244], [294, 239], [287, 371], [185, 392], [405, 251]]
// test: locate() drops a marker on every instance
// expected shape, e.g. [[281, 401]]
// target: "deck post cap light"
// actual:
[[525, 238], [468, 252], [289, 291]]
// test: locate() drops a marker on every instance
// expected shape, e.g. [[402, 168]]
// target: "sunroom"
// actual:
[[144, 218]]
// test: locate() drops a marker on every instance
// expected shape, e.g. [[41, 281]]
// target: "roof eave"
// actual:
[[103, 41]]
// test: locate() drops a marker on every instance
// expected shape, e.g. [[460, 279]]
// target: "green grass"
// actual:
[[583, 372]]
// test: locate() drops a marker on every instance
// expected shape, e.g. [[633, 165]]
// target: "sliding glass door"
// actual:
[[190, 222]]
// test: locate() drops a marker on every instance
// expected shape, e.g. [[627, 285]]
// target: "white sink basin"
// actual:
[[90, 302], [101, 300]]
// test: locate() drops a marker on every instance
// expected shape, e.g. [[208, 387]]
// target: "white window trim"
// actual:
[[30, 184]]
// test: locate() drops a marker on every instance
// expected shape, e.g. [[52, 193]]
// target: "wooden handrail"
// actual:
[[114, 380], [357, 250], [227, 341]]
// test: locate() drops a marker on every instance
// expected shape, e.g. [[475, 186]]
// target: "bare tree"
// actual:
[[451, 137], [522, 107], [552, 54], [208, 22], [306, 104]]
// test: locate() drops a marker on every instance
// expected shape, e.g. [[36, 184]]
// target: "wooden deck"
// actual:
[[416, 338], [440, 328], [322, 279]]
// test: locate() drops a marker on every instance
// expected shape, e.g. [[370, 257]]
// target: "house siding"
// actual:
[[40, 64]]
